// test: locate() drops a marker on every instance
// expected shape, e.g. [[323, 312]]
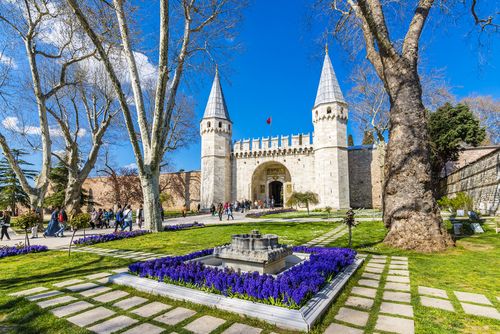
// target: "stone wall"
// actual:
[[184, 188], [365, 176], [480, 180]]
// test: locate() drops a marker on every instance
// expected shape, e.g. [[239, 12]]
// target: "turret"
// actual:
[[329, 116], [216, 134]]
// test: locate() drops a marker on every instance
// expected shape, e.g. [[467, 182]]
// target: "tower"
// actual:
[[215, 131], [329, 116]]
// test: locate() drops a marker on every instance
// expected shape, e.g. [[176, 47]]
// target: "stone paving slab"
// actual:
[[398, 309], [204, 325], [65, 310], [398, 266], [374, 270], [397, 286], [370, 275], [43, 295], [175, 316], [399, 262], [110, 296], [424, 290], [395, 325], [437, 303], [103, 280], [120, 270], [397, 296], [472, 297], [400, 258], [89, 317], [360, 302], [113, 325], [341, 329], [369, 282], [128, 303], [397, 279], [483, 311], [238, 328], [56, 301], [375, 265], [81, 287], [28, 292], [68, 282], [145, 329], [98, 275], [95, 291], [399, 272], [381, 261], [352, 316], [379, 256], [365, 292], [151, 309]]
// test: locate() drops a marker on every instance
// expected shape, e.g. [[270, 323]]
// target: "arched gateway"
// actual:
[[270, 181]]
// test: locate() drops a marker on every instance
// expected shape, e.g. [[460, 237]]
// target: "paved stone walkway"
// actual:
[[328, 237], [105, 310], [385, 277], [472, 303]]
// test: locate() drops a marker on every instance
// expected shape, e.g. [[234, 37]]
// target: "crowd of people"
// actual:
[[228, 208]]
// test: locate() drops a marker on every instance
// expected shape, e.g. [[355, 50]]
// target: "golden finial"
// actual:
[[326, 47]]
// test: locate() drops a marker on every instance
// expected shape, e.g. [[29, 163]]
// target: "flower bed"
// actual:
[[291, 288], [182, 226], [268, 212], [96, 239], [12, 251]]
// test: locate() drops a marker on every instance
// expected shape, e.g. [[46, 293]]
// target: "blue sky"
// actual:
[[278, 69]]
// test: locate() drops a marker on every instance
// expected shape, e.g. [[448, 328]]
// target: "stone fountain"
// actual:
[[254, 252]]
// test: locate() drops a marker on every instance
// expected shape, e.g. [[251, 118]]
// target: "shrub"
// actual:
[[20, 250], [95, 239], [80, 220], [27, 220], [460, 201]]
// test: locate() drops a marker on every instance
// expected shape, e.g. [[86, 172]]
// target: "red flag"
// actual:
[[268, 121]]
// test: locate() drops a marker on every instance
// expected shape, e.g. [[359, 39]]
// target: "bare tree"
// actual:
[[487, 109], [88, 103], [29, 21], [203, 23], [370, 104], [409, 208]]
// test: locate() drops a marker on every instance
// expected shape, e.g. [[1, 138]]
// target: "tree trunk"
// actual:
[[350, 236], [410, 210], [72, 197], [151, 191]]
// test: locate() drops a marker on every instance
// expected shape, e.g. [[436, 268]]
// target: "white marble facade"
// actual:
[[265, 168]]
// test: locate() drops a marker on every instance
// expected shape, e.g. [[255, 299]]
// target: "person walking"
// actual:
[[127, 218], [118, 218], [34, 228], [229, 211], [93, 219], [212, 209], [62, 219], [4, 224], [220, 211], [53, 226], [183, 211], [139, 216]]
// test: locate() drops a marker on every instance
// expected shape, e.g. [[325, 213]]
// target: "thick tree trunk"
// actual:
[[151, 191], [410, 210], [72, 197]]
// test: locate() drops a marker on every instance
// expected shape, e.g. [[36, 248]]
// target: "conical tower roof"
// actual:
[[328, 89], [216, 105]]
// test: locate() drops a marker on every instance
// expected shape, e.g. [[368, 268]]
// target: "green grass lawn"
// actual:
[[186, 241], [471, 266], [365, 213]]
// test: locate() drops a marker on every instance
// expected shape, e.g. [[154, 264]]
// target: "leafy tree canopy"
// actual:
[[451, 128]]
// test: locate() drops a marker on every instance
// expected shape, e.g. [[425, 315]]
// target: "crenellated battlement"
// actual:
[[299, 143]]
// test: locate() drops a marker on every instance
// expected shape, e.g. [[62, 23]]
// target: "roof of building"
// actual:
[[216, 105], [328, 89]]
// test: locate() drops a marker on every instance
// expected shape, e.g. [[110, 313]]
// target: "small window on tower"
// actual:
[[229, 126], [316, 113], [208, 124], [220, 124], [329, 110]]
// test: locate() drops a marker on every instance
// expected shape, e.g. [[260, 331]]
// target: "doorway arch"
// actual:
[[271, 183]]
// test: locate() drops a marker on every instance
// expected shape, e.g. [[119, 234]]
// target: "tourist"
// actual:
[[183, 211], [34, 228], [93, 219], [127, 218], [62, 219], [220, 211], [53, 226], [230, 211], [100, 218], [212, 209], [139, 216], [118, 217], [5, 224]]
